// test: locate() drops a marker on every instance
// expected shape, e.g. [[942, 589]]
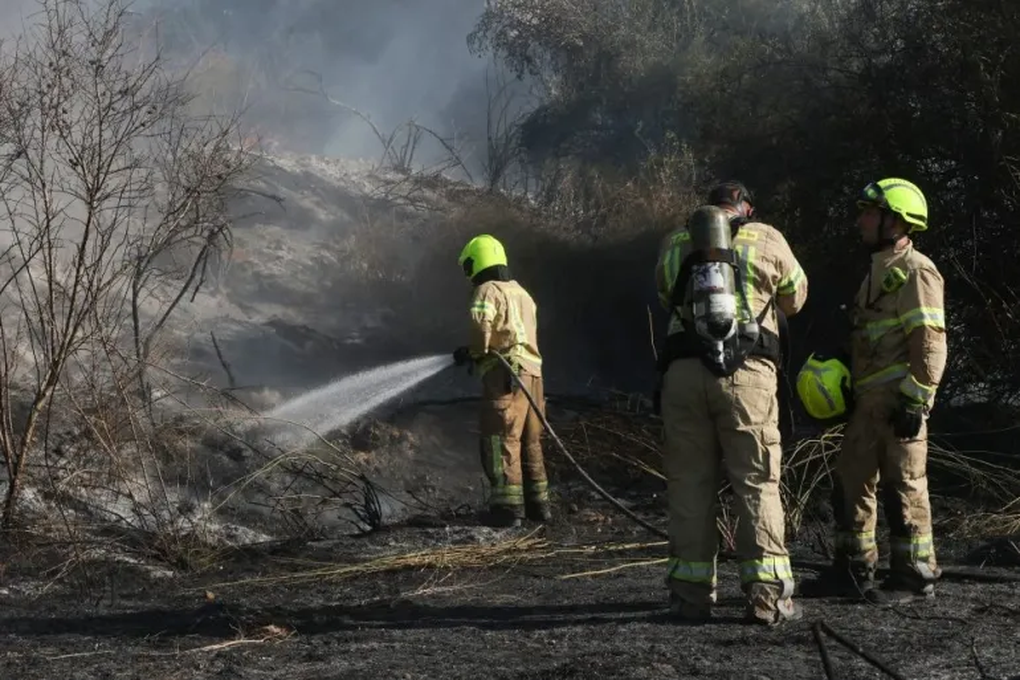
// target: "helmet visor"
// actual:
[[872, 195]]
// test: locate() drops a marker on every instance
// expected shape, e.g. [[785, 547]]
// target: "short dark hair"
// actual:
[[730, 193]]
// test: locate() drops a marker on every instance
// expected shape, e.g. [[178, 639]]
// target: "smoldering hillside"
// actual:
[[332, 272], [334, 264], [346, 247]]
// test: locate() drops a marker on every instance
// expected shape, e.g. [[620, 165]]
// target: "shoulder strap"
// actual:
[[736, 223]]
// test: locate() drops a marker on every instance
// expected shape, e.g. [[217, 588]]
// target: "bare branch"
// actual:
[[113, 198]]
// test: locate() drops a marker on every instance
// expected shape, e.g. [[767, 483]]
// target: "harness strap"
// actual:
[[686, 345]]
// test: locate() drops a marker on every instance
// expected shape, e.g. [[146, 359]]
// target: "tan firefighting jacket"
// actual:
[[771, 269], [899, 335], [504, 320]]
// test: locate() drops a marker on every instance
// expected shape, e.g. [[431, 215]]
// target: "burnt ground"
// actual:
[[508, 622], [514, 620]]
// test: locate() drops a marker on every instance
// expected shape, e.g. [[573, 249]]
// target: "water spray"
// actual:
[[341, 401]]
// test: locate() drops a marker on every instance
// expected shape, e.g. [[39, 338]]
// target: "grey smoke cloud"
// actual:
[[12, 15], [393, 60]]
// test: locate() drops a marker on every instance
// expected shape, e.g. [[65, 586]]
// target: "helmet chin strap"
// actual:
[[886, 237]]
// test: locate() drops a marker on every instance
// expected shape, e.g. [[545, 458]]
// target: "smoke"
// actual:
[[14, 15], [388, 60], [391, 60]]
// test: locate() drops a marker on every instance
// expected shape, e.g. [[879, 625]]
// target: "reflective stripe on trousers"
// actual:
[[762, 570], [691, 572], [502, 492], [770, 569], [912, 549], [855, 543], [536, 491]]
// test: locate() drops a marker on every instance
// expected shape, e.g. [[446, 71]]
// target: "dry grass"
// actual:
[[528, 548], [625, 446], [612, 443], [510, 551], [806, 469], [1004, 522], [994, 488]]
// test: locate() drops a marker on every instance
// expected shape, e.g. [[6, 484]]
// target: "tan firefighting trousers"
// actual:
[[871, 451], [733, 421], [507, 422]]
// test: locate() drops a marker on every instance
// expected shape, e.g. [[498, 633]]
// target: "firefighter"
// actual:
[[503, 320], [896, 361], [722, 277]]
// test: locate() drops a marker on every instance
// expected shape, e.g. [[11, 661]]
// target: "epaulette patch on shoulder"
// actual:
[[894, 279]]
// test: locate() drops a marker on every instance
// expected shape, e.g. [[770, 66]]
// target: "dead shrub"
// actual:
[[114, 201]]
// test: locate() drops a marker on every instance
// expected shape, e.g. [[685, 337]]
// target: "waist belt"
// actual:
[[687, 346]]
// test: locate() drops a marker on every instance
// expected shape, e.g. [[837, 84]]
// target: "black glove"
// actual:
[[907, 419], [461, 356]]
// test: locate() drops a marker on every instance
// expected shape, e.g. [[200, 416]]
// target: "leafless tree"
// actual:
[[502, 133], [113, 199]]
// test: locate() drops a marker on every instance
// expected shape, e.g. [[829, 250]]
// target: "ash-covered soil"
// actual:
[[530, 619], [498, 604]]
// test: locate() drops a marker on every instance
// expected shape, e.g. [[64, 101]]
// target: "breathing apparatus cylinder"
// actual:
[[713, 289]]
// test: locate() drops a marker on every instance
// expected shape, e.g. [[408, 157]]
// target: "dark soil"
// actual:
[[514, 621], [510, 622]]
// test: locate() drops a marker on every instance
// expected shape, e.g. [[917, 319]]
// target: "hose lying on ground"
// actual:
[[947, 574], [563, 449]]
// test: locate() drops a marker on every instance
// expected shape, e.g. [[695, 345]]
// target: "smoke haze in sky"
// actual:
[[392, 60]]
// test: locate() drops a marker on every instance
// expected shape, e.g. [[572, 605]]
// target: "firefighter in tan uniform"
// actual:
[[897, 358], [719, 402], [503, 320]]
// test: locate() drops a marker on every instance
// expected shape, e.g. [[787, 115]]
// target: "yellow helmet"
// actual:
[[901, 197], [480, 253], [823, 386]]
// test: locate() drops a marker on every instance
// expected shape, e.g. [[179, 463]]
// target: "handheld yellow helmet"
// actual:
[[480, 253], [824, 385], [899, 196]]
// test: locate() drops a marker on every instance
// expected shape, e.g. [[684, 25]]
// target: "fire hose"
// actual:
[[948, 574], [563, 449]]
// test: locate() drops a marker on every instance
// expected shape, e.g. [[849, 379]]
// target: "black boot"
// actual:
[[538, 511], [683, 612], [898, 589], [503, 517], [840, 580]]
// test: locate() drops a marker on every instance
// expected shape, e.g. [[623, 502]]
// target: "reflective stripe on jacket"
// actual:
[[899, 319], [504, 320], [770, 268]]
